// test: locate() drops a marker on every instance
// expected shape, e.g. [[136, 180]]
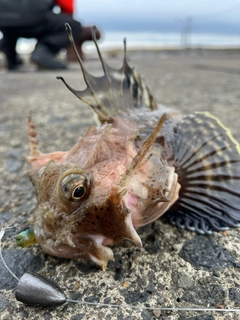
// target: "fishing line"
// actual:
[[36, 290], [2, 232], [150, 308]]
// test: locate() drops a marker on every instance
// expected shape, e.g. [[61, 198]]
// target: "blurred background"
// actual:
[[165, 23], [158, 24]]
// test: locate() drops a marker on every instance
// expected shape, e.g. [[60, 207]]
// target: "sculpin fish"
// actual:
[[142, 161]]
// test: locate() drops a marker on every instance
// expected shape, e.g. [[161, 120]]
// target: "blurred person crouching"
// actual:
[[35, 19], [67, 7]]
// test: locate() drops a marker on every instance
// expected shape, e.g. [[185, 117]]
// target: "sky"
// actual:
[[204, 16]]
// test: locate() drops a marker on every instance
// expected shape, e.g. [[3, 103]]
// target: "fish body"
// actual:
[[143, 160]]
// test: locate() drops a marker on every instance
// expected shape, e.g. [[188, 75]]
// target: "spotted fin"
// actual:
[[115, 92], [207, 162]]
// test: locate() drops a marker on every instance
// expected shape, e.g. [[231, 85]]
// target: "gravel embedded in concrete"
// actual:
[[156, 275]]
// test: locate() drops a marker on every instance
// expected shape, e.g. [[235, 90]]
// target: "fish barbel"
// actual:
[[143, 160]]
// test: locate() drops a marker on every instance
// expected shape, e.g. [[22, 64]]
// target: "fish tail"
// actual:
[[207, 161]]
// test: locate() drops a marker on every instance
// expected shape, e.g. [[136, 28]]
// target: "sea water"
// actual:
[[152, 40]]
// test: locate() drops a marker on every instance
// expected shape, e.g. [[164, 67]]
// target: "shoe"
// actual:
[[86, 35], [43, 57], [13, 60]]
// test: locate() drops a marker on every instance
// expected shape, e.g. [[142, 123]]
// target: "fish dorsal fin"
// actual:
[[117, 91], [32, 137], [207, 162]]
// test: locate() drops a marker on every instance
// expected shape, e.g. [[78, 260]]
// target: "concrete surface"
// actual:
[[174, 268]]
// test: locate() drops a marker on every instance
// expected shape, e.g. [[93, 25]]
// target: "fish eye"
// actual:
[[74, 186], [78, 192]]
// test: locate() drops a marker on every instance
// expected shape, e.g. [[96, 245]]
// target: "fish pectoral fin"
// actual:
[[207, 162]]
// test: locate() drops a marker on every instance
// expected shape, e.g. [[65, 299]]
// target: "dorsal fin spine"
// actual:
[[117, 92], [104, 66], [69, 31]]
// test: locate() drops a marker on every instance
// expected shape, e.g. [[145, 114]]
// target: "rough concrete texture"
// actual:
[[174, 268]]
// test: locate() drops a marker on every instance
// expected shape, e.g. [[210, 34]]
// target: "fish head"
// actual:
[[78, 214], [94, 195], [80, 209]]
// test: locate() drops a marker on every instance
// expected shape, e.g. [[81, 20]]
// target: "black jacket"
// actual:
[[21, 13]]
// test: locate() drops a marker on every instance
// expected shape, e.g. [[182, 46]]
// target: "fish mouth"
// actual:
[[84, 246], [96, 245], [93, 246]]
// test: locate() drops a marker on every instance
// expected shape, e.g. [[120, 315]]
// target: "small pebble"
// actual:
[[157, 313], [77, 285], [216, 274]]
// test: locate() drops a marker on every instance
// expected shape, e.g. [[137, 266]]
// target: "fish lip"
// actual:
[[97, 250], [84, 246]]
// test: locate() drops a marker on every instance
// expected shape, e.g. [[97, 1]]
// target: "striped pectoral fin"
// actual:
[[207, 161]]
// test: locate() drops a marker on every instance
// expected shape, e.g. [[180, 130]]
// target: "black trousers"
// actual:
[[50, 32]]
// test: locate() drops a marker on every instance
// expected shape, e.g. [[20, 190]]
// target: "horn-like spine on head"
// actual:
[[137, 160]]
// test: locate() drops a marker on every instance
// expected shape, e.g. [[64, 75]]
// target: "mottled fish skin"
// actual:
[[143, 160]]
